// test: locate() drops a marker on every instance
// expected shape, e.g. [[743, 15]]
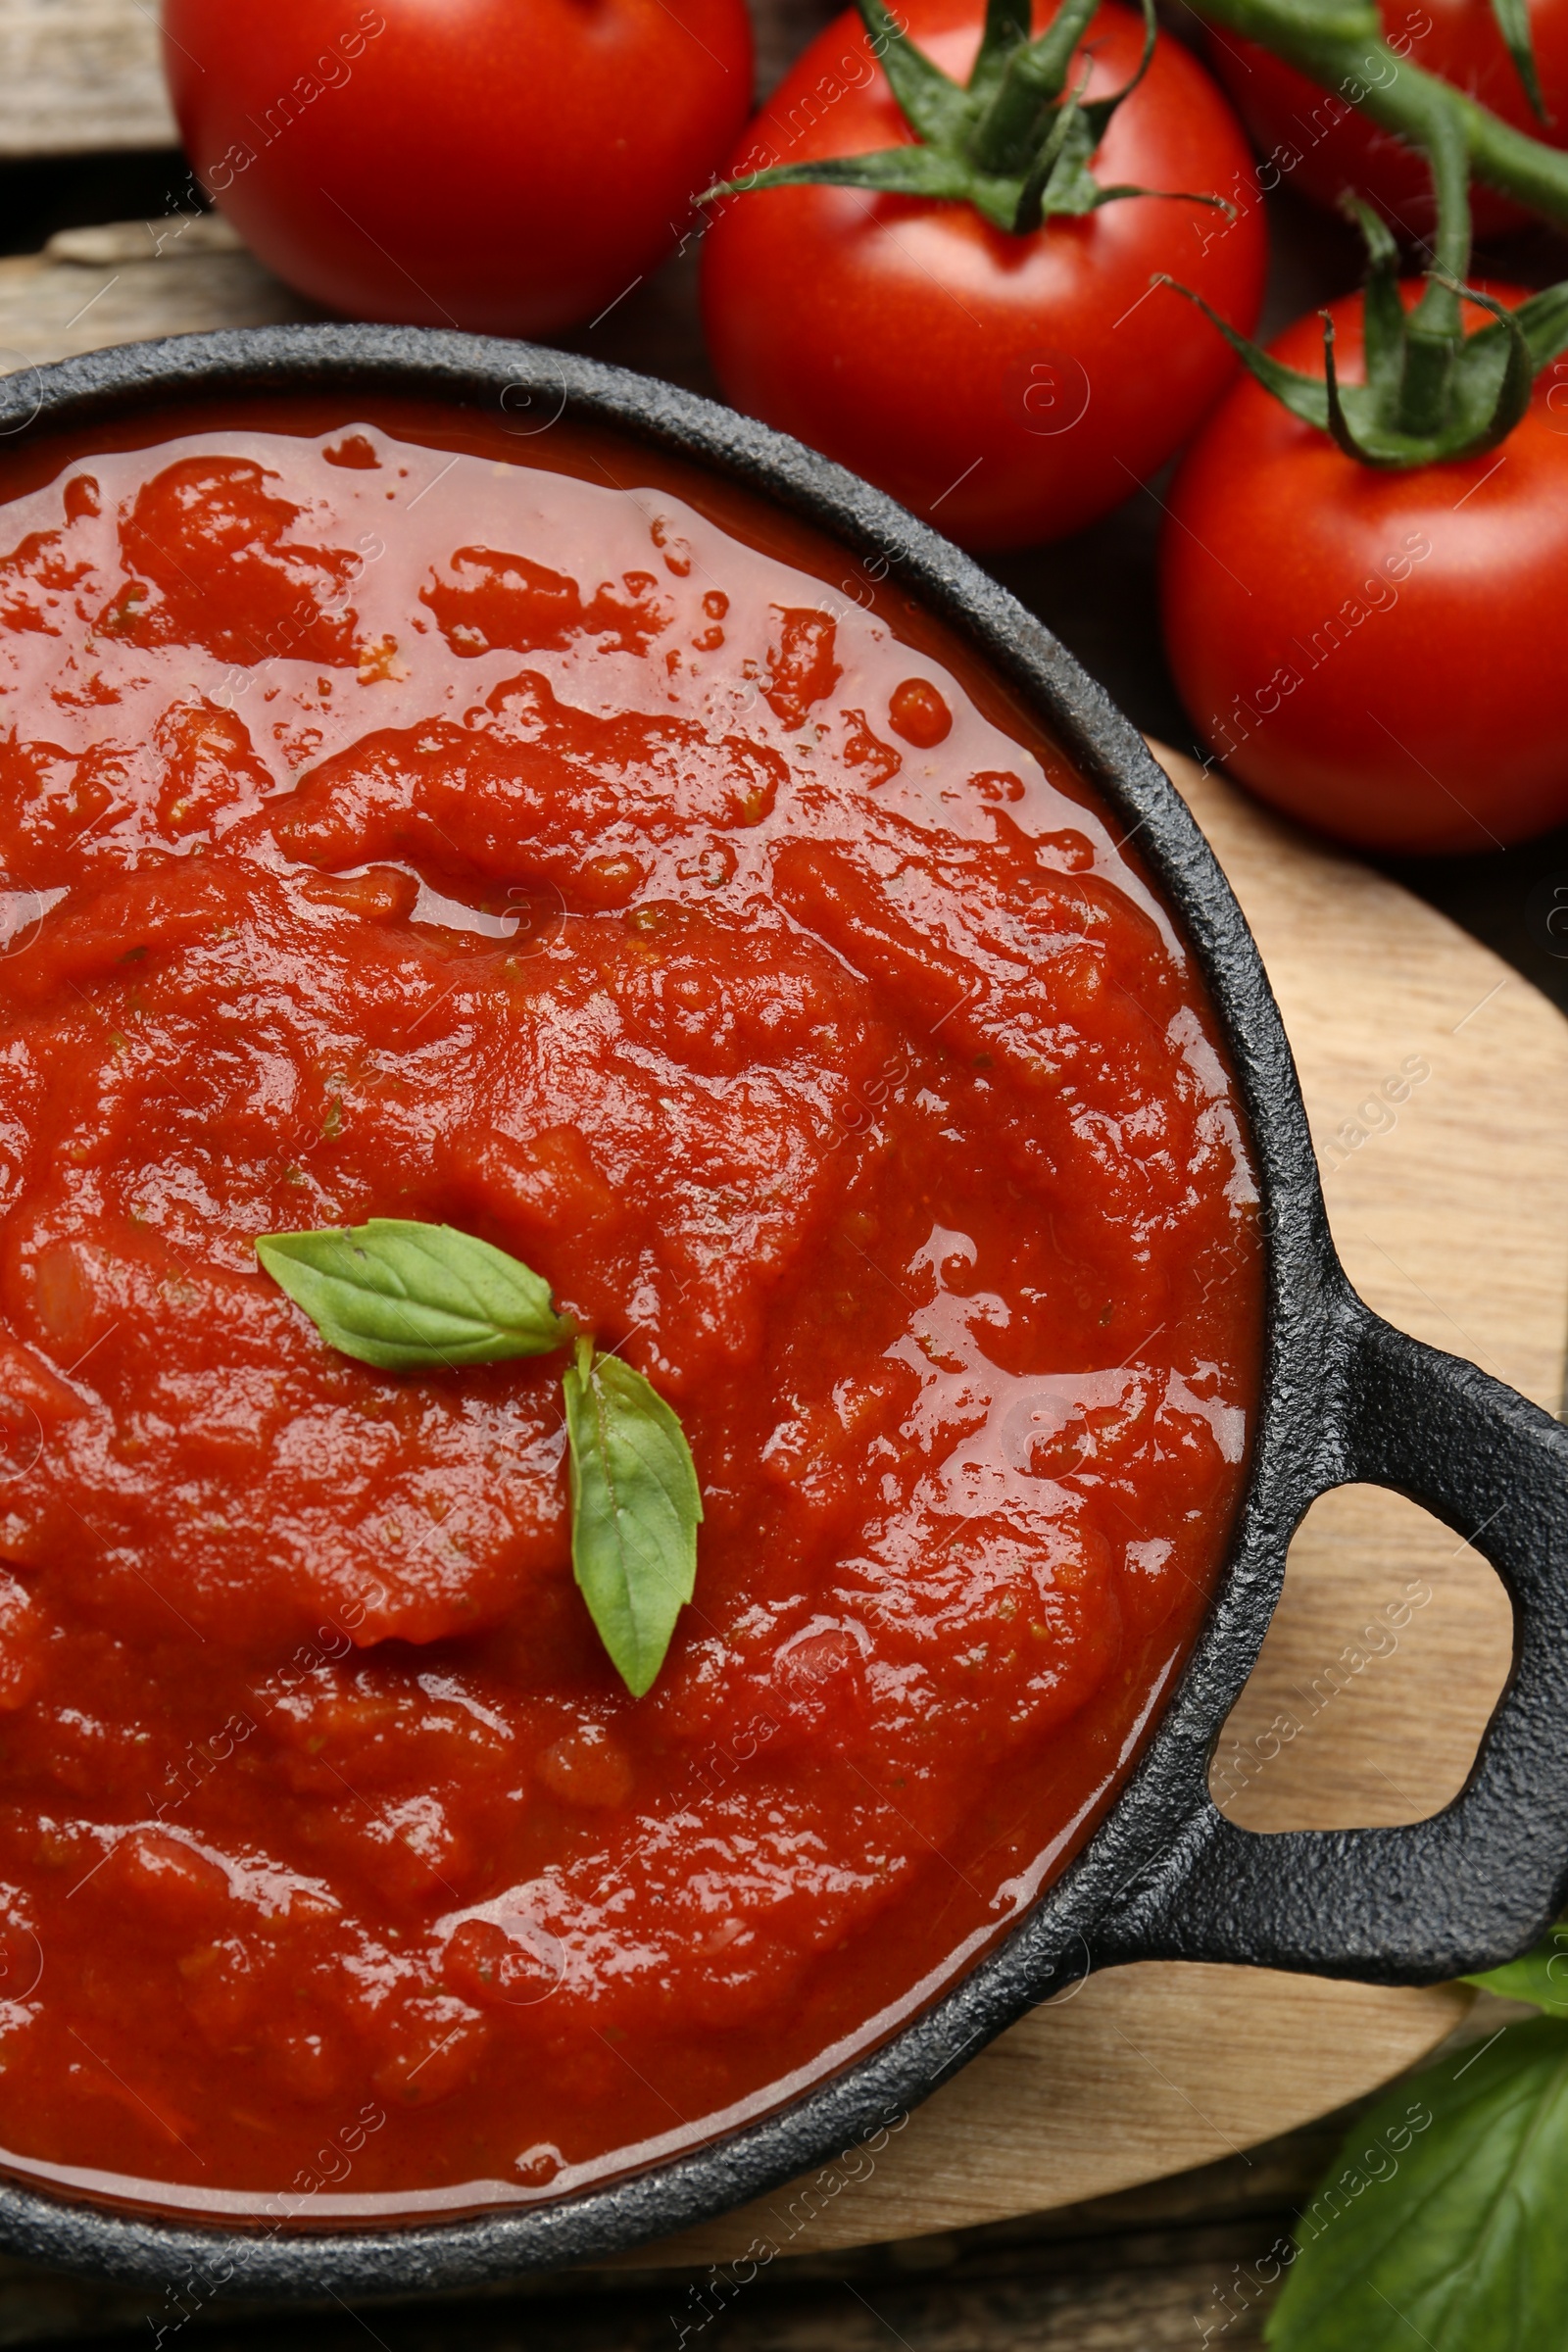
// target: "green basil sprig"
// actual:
[[412, 1298], [1448, 2233]]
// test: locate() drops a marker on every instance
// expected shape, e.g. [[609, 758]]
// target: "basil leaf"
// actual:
[[1441, 2224], [1540, 1975], [635, 1510], [410, 1297]]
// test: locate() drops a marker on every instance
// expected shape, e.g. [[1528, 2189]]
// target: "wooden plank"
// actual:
[[81, 76], [131, 282]]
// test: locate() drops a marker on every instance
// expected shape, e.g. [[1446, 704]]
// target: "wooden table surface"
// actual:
[[1143, 2267]]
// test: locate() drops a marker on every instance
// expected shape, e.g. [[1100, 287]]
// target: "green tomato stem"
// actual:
[[1435, 326], [1342, 48], [1032, 79]]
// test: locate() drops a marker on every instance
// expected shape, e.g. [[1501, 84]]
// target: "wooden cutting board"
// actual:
[[1437, 1083]]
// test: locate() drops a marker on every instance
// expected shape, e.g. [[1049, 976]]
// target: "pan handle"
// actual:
[[1480, 1881]]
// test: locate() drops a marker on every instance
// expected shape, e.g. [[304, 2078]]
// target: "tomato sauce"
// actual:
[[535, 835]]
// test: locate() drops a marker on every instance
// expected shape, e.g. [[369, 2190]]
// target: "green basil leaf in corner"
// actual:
[[409, 1298], [1442, 2222], [635, 1511], [1540, 1975]]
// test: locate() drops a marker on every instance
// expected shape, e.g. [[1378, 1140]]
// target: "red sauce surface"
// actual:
[[399, 818]]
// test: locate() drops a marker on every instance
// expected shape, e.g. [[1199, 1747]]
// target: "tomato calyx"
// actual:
[[1014, 140], [1432, 392]]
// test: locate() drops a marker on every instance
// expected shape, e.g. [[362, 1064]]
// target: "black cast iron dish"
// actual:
[[1345, 1397]]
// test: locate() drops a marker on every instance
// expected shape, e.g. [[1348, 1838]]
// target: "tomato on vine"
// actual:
[[510, 169], [933, 256], [1365, 568]]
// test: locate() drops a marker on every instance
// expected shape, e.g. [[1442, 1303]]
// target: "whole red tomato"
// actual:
[[1318, 142], [1380, 654], [477, 164], [1006, 388]]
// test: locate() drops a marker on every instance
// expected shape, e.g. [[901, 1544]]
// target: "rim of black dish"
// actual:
[[529, 388]]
